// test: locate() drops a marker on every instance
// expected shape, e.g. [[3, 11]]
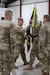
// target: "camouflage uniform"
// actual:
[[7, 42], [34, 50], [44, 48], [20, 44]]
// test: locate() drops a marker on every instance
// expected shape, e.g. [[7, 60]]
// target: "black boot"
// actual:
[[26, 63]]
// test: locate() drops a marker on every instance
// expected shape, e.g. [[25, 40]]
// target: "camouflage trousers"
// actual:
[[19, 49], [5, 62], [44, 57], [34, 53]]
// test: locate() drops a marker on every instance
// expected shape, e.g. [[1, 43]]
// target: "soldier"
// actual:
[[7, 42], [44, 45], [34, 51], [20, 41]]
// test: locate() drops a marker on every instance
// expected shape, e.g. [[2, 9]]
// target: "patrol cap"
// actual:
[[20, 18]]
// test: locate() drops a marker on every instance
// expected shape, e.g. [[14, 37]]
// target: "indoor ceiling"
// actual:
[[10, 1], [6, 2]]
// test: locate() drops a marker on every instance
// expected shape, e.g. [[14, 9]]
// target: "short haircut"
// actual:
[[47, 16], [7, 12], [20, 18]]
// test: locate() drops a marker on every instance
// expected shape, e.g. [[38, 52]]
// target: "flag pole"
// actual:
[[28, 32]]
